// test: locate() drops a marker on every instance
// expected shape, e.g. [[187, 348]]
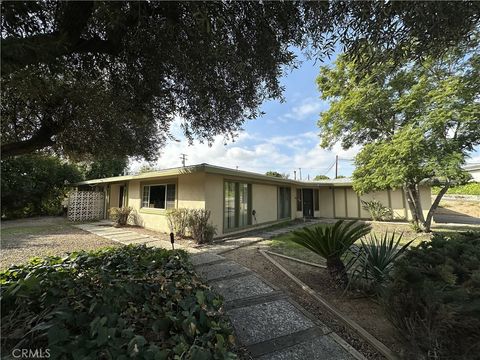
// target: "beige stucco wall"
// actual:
[[264, 202], [326, 202], [214, 200], [340, 207], [425, 200], [352, 203], [205, 190], [190, 193]]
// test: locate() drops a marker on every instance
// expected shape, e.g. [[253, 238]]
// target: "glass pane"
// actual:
[[243, 205], [146, 192], [299, 199], [229, 205], [170, 196], [157, 197], [284, 203]]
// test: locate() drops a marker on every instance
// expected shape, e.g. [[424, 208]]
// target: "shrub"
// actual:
[[377, 210], [178, 221], [331, 242], [434, 298], [35, 185], [129, 302], [120, 215], [202, 231], [375, 259]]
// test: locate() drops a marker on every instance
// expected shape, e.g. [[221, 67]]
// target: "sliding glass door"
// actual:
[[284, 203], [237, 205]]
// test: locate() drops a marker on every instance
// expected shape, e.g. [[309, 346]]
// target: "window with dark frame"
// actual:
[[299, 199], [159, 196], [316, 199]]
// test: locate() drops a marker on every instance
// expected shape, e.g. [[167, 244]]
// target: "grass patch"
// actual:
[[34, 230], [472, 188], [128, 302], [283, 244]]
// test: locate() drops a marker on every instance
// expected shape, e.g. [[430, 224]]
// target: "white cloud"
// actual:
[[255, 153], [309, 107]]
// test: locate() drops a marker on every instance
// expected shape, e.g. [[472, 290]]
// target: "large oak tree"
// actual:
[[417, 123], [94, 79]]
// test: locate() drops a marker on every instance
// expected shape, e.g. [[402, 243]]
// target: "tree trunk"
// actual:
[[413, 200], [337, 271], [433, 208]]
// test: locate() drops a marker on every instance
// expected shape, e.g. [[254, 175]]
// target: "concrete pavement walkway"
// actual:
[[269, 324], [126, 237]]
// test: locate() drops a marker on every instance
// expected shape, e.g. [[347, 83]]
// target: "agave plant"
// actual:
[[331, 242], [375, 261]]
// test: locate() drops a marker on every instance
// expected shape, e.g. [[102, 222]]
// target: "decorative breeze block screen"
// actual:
[[86, 205]]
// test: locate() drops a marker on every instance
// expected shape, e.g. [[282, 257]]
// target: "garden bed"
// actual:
[[128, 302], [366, 311]]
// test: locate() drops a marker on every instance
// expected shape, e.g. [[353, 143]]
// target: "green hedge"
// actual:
[[129, 302], [472, 188], [434, 298]]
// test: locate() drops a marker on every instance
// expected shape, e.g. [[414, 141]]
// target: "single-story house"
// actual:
[[474, 170], [240, 200]]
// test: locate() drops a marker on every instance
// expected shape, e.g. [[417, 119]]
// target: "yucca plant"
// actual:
[[376, 258], [331, 242]]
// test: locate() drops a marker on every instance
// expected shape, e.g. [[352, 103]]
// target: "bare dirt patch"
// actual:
[[459, 208], [251, 258], [24, 239]]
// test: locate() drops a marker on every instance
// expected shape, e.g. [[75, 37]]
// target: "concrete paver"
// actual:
[[242, 287], [266, 322]]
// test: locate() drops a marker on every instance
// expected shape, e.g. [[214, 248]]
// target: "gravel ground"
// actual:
[[251, 258], [24, 239]]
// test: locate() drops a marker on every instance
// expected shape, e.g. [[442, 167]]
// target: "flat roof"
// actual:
[[214, 170]]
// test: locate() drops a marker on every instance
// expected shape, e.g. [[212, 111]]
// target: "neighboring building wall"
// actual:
[[475, 174]]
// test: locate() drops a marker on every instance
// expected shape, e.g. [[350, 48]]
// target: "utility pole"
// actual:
[[294, 174], [300, 173], [336, 166], [183, 157]]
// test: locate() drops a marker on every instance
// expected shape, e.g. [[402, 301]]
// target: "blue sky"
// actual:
[[284, 139]]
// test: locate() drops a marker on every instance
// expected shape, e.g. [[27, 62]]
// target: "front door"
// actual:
[[308, 203], [120, 196]]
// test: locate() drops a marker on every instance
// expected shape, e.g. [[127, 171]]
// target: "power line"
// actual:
[[183, 157]]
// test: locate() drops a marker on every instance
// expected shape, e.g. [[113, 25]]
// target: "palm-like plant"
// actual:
[[375, 261], [331, 242]]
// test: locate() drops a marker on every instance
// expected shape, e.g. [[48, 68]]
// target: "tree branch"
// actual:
[[41, 140]]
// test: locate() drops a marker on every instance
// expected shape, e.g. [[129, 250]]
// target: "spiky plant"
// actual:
[[376, 259], [331, 242]]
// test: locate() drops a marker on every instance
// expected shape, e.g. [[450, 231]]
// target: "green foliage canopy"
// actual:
[[321, 177], [416, 123], [98, 78], [35, 185], [104, 168], [277, 174]]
